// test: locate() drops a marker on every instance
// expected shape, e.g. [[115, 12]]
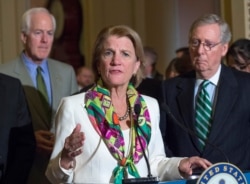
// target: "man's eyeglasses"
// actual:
[[206, 45]]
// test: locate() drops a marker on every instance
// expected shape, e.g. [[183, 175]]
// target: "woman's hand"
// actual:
[[72, 147], [188, 164]]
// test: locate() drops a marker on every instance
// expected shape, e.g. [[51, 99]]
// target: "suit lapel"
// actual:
[[33, 98], [56, 83], [22, 73], [186, 105], [227, 96]]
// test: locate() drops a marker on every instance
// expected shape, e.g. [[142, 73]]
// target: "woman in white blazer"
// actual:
[[102, 135]]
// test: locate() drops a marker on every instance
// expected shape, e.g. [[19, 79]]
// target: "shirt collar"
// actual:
[[214, 79], [31, 65]]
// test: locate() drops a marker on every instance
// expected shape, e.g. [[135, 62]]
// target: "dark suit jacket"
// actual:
[[230, 132], [151, 87], [17, 141]]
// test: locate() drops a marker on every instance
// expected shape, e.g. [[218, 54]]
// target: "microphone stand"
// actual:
[[143, 180]]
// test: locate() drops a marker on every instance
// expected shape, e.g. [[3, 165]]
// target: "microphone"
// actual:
[[137, 109], [165, 107], [143, 180]]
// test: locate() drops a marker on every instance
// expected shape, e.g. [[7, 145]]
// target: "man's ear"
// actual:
[[23, 38], [225, 49]]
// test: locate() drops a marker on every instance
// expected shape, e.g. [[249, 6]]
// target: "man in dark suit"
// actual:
[[17, 141], [228, 137]]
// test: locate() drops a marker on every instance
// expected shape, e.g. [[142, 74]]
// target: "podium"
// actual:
[[246, 174]]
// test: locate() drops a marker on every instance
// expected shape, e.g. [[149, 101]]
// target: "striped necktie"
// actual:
[[203, 114]]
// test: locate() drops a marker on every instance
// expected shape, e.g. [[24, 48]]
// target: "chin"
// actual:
[[115, 85], [43, 56], [201, 67]]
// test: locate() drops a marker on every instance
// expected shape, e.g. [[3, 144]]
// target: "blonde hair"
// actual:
[[120, 31]]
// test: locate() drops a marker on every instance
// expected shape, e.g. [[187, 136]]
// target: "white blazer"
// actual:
[[95, 164]]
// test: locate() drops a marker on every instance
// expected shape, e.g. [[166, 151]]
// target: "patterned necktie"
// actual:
[[203, 115], [41, 86]]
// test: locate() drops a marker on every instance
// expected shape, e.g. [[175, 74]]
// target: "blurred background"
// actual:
[[162, 24]]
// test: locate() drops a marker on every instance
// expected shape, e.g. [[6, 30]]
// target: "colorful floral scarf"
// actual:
[[105, 121]]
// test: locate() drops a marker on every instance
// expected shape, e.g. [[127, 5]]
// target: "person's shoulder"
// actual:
[[149, 99], [59, 63], [85, 89], [9, 79], [240, 73], [180, 78], [10, 83], [148, 83], [152, 81], [10, 63], [240, 76], [152, 105], [75, 98]]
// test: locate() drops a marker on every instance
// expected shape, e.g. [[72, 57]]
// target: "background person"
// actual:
[[178, 66], [85, 78], [182, 51], [151, 58], [227, 93], [43, 88], [17, 140], [238, 55], [151, 84], [97, 136]]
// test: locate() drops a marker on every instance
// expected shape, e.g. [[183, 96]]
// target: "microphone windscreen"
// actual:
[[137, 109]]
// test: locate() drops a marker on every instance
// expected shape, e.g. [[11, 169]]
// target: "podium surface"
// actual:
[[246, 174], [193, 181]]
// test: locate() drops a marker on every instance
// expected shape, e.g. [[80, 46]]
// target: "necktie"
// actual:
[[41, 84], [203, 116]]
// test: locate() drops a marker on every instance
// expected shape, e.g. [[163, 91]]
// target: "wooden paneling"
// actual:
[[240, 14], [162, 24], [247, 18], [10, 13]]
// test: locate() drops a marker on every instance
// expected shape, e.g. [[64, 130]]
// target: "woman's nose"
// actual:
[[116, 59]]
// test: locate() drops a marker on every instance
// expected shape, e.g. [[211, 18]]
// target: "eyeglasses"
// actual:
[[206, 45]]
